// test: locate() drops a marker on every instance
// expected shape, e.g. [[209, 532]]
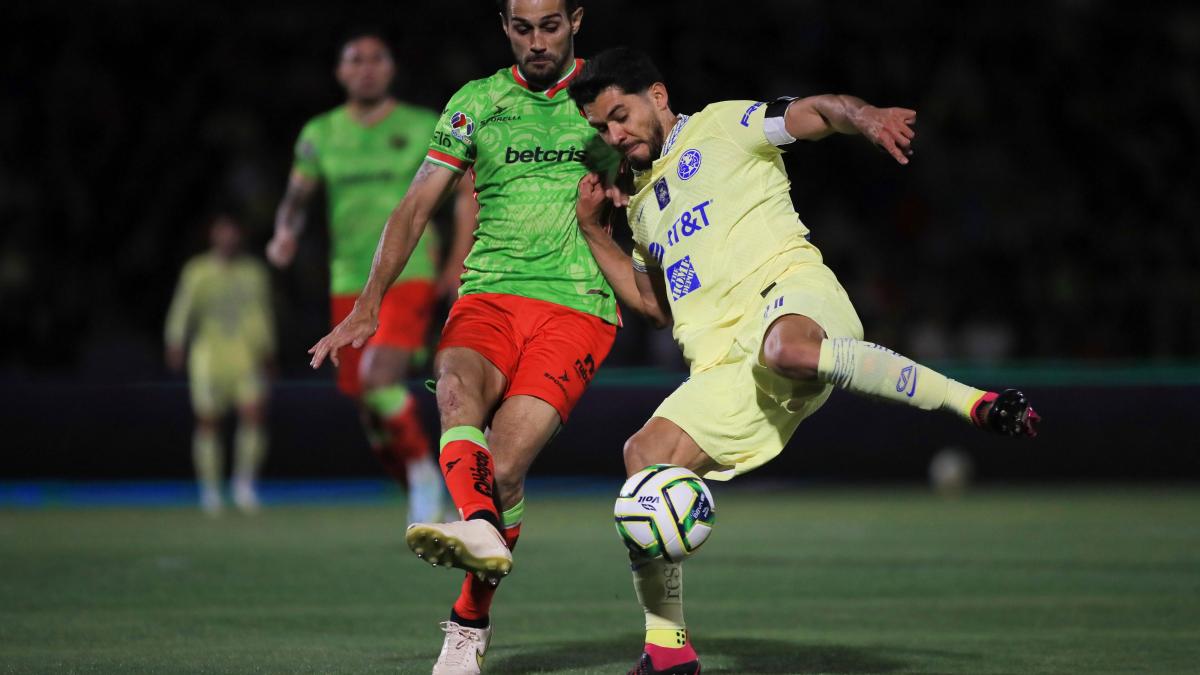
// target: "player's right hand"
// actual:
[[593, 204], [354, 330], [281, 250]]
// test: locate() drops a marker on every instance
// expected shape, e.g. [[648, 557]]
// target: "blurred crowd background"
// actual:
[[1050, 213]]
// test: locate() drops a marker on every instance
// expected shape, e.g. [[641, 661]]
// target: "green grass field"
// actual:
[[1073, 580]]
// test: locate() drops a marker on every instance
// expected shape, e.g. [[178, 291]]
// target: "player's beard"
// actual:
[[543, 81], [654, 145]]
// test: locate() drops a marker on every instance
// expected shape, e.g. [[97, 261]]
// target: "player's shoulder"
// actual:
[[726, 113], [485, 90], [325, 121], [412, 110]]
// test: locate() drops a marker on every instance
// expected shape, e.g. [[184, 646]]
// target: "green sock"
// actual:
[[387, 401], [659, 586], [868, 369]]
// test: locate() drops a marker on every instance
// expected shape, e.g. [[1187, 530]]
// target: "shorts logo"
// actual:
[[907, 375], [689, 163], [777, 304], [461, 126], [749, 112], [657, 251], [681, 277], [661, 193]]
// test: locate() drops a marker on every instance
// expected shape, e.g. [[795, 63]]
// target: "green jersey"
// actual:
[[526, 148], [366, 171]]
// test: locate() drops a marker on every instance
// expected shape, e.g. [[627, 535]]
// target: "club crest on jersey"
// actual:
[[689, 163], [662, 193], [682, 278], [461, 126]]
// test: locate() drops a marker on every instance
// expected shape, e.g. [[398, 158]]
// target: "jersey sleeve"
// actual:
[[262, 327], [756, 126], [180, 313], [640, 255], [452, 145], [307, 160]]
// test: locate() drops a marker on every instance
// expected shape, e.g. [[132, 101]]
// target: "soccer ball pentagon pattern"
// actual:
[[664, 511]]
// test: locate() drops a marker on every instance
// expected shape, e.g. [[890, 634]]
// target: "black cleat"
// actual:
[[646, 667], [1007, 413]]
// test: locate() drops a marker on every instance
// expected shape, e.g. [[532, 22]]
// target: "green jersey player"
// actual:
[[535, 317], [366, 152]]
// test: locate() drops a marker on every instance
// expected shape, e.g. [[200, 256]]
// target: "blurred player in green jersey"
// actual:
[[366, 153], [765, 326], [535, 317], [220, 323]]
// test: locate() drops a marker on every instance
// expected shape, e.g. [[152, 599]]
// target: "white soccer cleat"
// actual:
[[210, 502], [471, 545], [245, 497], [463, 649]]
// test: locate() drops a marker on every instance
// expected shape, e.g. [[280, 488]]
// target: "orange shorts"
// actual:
[[545, 350], [404, 318]]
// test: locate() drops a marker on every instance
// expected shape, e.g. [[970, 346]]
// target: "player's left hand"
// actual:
[[889, 128]]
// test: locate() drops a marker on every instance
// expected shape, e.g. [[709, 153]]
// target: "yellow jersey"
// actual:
[[223, 307], [714, 216]]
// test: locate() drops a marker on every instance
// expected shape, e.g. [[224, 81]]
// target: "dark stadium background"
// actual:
[[1045, 236]]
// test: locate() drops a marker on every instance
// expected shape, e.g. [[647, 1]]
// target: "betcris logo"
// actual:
[[682, 278], [540, 155]]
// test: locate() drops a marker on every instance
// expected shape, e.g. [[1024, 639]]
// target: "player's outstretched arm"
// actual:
[[428, 189], [816, 117], [634, 289], [289, 219]]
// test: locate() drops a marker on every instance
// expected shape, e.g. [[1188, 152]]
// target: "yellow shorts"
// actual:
[[741, 413], [221, 381]]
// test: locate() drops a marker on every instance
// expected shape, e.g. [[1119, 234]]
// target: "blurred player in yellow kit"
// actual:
[[220, 322], [720, 252]]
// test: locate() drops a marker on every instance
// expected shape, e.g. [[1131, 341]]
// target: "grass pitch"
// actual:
[[1095, 580]]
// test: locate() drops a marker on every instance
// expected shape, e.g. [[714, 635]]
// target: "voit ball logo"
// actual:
[[461, 126]]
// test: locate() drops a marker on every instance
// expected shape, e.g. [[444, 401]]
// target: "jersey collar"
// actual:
[[558, 86], [671, 138]]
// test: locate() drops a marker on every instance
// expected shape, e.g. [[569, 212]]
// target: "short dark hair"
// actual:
[[628, 69], [502, 5], [362, 32]]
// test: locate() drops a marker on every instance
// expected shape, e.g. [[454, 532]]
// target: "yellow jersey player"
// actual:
[[765, 326], [220, 322]]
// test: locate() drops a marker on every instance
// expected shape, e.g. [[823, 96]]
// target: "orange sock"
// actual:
[[406, 434], [469, 472], [475, 599]]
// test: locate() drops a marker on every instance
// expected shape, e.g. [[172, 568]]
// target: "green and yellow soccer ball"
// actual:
[[664, 511]]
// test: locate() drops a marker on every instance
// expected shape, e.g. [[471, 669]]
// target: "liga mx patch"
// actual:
[[461, 126], [661, 193], [681, 277]]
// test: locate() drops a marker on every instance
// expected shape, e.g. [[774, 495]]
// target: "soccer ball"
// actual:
[[664, 511]]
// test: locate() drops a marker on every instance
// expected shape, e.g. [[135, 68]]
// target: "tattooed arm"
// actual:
[[428, 190]]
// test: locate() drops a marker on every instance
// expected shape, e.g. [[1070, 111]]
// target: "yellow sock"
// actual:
[[249, 449], [206, 456], [868, 369], [659, 586]]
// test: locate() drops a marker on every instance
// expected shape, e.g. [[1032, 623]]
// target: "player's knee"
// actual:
[[641, 451], [793, 358]]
